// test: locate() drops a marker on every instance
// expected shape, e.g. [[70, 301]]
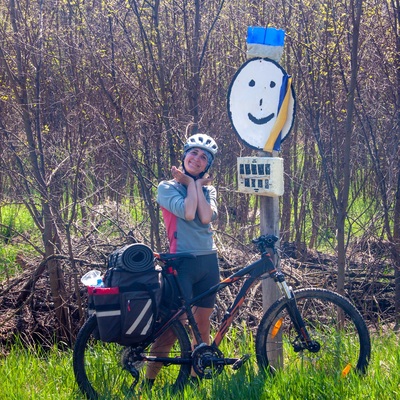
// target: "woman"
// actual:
[[189, 205]]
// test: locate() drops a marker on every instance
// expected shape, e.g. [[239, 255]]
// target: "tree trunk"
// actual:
[[345, 186], [396, 217]]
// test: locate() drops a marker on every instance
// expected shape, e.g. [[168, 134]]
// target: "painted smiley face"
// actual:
[[254, 101]]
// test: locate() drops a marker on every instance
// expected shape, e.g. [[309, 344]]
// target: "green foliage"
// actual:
[[36, 374], [16, 226], [8, 267], [14, 219]]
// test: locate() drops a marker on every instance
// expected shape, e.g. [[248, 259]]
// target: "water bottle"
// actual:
[[92, 278]]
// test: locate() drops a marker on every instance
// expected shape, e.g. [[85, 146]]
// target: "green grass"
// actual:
[[15, 224], [8, 267], [36, 374], [8, 255], [15, 218]]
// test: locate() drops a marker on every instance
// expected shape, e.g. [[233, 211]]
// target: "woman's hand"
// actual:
[[205, 181], [180, 177]]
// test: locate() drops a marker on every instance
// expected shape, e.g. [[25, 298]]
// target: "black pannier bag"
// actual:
[[106, 304], [127, 307]]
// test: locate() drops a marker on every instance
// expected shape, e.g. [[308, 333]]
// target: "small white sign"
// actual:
[[260, 175]]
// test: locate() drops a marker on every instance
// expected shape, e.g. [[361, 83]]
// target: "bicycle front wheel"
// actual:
[[99, 366], [331, 321]]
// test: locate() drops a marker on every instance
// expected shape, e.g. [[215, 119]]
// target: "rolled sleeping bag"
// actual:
[[136, 257]]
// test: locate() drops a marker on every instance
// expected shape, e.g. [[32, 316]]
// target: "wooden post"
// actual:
[[269, 224]]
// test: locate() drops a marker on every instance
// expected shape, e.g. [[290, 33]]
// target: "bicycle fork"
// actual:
[[303, 341]]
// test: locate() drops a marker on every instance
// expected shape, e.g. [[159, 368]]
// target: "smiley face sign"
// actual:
[[261, 104]]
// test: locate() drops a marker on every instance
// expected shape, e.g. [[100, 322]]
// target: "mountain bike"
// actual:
[[306, 328]]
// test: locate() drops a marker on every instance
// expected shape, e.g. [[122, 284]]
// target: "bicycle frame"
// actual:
[[264, 265], [255, 270]]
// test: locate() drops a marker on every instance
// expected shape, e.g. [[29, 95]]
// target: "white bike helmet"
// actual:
[[201, 141]]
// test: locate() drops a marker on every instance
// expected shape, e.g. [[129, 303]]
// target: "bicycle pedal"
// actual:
[[240, 362]]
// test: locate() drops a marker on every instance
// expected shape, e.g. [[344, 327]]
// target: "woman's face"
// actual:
[[196, 161]]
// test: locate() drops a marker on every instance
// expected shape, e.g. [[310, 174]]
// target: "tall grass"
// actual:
[[15, 224], [14, 218], [36, 374]]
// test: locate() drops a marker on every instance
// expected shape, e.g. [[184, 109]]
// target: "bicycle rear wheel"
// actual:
[[330, 319], [99, 372]]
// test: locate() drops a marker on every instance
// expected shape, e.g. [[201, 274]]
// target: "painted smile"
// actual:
[[260, 121]]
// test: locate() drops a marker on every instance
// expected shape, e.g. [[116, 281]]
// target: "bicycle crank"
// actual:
[[208, 361]]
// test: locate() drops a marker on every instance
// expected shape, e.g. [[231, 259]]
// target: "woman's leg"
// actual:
[[164, 343], [160, 348], [202, 316]]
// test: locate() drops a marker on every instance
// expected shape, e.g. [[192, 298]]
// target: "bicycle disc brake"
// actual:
[[208, 361]]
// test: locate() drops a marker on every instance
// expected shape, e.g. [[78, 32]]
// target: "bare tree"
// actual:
[[96, 98]]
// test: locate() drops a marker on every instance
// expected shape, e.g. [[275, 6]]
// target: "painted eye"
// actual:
[[252, 83], [272, 84]]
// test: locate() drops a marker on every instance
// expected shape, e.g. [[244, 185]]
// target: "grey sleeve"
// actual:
[[172, 199]]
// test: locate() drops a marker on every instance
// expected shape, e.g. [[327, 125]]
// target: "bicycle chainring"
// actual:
[[208, 361]]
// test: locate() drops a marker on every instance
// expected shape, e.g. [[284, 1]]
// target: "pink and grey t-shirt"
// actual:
[[186, 236]]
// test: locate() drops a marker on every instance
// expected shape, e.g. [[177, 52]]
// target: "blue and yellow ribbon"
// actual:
[[280, 119]]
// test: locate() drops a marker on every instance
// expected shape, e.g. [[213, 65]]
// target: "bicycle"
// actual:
[[314, 328]]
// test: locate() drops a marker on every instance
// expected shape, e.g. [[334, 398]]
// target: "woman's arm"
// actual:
[[204, 209], [191, 200]]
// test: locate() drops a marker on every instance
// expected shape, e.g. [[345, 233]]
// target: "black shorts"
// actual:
[[197, 276]]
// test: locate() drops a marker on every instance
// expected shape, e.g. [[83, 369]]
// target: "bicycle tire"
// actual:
[[100, 375], [344, 346]]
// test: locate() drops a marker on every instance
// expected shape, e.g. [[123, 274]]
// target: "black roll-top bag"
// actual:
[[127, 306]]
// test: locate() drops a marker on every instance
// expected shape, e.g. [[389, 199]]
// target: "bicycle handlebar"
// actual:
[[265, 241]]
